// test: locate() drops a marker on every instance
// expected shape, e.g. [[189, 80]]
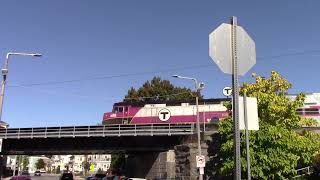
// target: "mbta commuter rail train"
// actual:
[[210, 110], [311, 106]]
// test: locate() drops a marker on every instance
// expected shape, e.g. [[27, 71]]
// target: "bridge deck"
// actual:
[[99, 131]]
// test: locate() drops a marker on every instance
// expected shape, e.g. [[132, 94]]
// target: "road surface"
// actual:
[[48, 177]]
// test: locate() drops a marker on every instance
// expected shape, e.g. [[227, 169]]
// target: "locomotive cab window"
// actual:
[[119, 109]]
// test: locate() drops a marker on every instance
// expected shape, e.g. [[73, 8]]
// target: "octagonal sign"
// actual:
[[220, 49]]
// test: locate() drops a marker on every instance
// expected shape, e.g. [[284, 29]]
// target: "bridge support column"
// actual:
[[151, 165], [186, 166]]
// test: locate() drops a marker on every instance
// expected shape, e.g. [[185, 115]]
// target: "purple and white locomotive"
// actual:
[[166, 112], [311, 106]]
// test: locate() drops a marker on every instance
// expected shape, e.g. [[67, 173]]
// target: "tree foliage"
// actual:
[[58, 170], [86, 166], [40, 164], [117, 160], [159, 90], [276, 149], [25, 162]]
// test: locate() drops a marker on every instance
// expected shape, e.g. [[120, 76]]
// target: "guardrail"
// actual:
[[99, 131], [302, 172]]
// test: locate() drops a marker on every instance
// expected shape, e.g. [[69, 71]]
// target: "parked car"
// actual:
[[37, 173], [88, 177], [113, 177], [24, 176], [98, 176], [43, 171], [66, 176]]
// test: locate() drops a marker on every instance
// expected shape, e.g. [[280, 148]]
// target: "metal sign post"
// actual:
[[235, 103], [247, 134], [236, 59]]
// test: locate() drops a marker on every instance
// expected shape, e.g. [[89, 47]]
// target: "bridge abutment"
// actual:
[[177, 163], [151, 165], [185, 154]]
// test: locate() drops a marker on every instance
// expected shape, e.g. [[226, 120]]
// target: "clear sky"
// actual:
[[93, 51]]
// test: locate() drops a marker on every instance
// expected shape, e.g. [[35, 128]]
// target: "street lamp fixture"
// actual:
[[5, 71], [198, 87]]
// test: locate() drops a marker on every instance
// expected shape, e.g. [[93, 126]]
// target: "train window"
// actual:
[[310, 111], [214, 120], [299, 111], [126, 109], [120, 109]]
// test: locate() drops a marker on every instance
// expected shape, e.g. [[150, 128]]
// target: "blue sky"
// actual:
[[128, 42]]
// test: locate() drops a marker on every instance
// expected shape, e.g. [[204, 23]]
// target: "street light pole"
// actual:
[[5, 71], [198, 87]]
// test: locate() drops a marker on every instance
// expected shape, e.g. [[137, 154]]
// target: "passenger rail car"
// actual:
[[210, 110], [311, 106]]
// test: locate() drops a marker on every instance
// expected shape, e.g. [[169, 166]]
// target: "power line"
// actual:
[[271, 57], [117, 76], [155, 97], [65, 94], [298, 53], [104, 99]]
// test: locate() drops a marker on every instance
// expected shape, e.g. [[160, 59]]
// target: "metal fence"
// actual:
[[99, 131]]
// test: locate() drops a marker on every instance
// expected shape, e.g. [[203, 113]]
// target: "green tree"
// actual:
[[58, 170], [40, 164], [159, 90], [117, 160], [25, 162], [86, 166], [276, 149]]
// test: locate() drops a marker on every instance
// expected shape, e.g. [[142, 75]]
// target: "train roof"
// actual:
[[173, 103]]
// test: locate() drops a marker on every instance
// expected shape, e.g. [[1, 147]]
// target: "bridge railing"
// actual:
[[99, 131]]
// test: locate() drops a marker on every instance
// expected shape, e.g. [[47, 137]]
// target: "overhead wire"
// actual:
[[117, 76], [104, 99], [139, 73], [158, 96], [65, 94], [270, 57]]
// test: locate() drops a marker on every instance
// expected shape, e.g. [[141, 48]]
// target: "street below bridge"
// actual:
[[48, 177]]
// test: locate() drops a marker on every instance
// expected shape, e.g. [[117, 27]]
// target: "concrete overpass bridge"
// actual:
[[93, 139], [154, 150], [150, 148]]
